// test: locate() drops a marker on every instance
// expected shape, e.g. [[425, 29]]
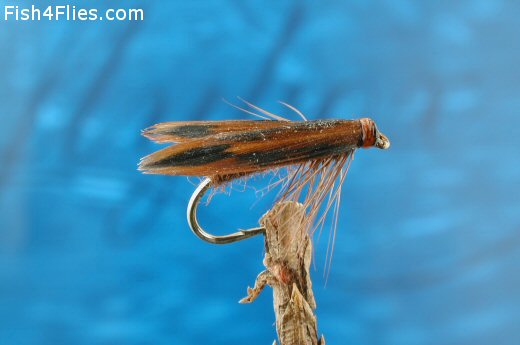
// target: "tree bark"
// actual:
[[288, 254]]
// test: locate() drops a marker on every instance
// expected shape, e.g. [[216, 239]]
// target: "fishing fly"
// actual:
[[316, 156]]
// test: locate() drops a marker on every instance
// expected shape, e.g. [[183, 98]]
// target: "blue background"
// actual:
[[428, 247]]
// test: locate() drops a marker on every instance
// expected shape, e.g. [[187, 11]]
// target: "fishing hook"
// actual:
[[197, 229]]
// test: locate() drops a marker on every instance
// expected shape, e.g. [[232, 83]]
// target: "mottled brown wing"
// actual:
[[182, 131], [256, 149]]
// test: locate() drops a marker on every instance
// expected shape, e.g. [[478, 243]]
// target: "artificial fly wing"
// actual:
[[182, 131], [263, 145]]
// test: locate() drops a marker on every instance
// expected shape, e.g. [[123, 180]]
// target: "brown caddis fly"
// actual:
[[316, 154]]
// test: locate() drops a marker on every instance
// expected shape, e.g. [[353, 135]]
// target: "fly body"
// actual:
[[316, 155]]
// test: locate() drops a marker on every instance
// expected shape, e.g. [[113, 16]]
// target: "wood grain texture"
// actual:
[[287, 260]]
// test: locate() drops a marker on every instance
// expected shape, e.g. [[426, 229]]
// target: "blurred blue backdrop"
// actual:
[[428, 247]]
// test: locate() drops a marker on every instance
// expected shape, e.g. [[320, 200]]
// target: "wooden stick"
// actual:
[[288, 254]]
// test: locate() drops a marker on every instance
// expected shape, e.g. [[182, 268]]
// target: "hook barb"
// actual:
[[197, 229]]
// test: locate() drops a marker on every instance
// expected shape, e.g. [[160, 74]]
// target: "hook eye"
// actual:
[[199, 231]]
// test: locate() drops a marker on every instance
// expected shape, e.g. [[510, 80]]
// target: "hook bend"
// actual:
[[197, 229]]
